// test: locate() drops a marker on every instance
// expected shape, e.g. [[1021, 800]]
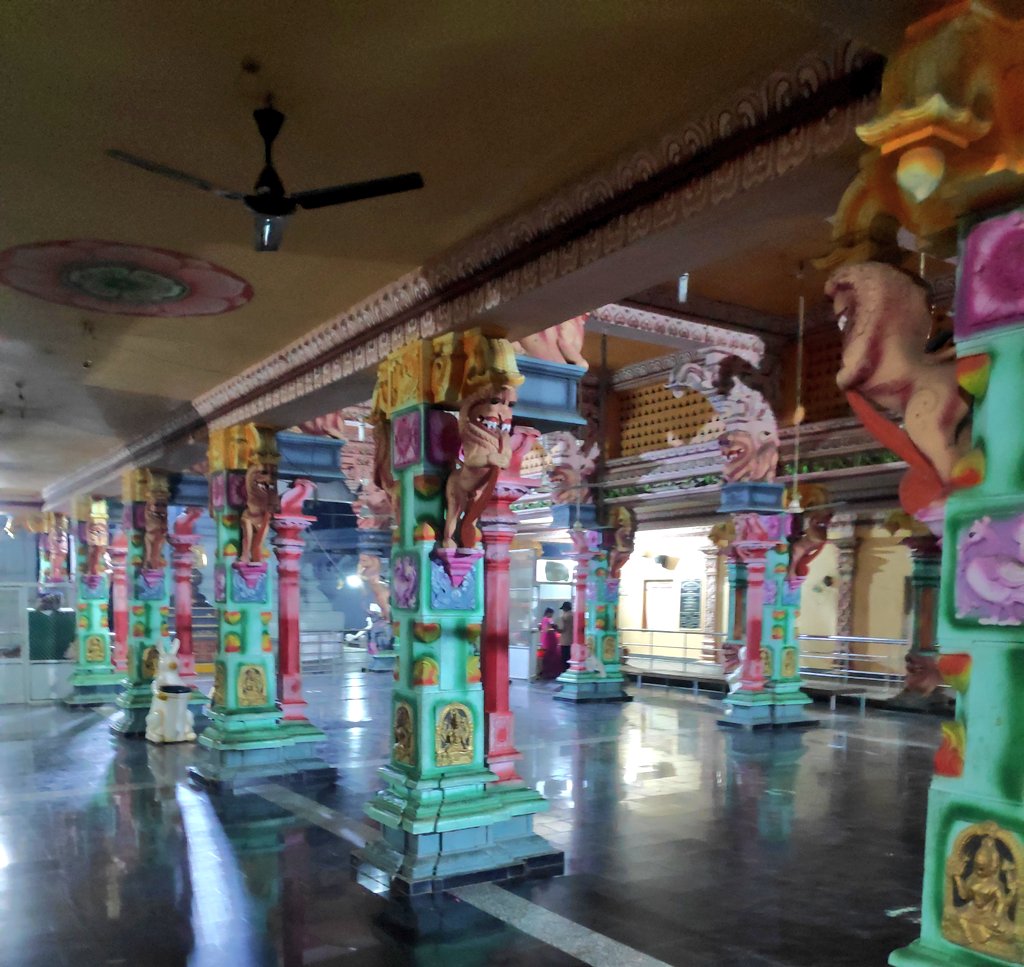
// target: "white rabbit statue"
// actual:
[[169, 718]]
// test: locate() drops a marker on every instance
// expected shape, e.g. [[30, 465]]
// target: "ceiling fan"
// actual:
[[270, 205]]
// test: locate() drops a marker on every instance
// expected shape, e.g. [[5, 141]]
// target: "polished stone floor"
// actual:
[[684, 845]]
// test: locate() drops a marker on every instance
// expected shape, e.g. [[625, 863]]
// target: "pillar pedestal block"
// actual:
[[250, 753]]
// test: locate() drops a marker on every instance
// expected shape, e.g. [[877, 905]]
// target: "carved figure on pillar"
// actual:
[[485, 430], [623, 523], [557, 344], [886, 368], [750, 444], [97, 538], [56, 548], [155, 529], [260, 503]]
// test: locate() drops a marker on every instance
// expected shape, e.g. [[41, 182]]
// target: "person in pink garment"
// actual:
[[551, 662]]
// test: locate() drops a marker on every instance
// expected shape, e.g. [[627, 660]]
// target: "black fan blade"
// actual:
[[358, 190], [158, 169]]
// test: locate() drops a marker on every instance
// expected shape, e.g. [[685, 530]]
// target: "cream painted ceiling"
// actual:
[[497, 103]]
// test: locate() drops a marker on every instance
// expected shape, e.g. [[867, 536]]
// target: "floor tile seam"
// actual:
[[555, 930]]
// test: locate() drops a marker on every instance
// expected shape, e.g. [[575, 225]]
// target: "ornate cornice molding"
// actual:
[[794, 117], [745, 345]]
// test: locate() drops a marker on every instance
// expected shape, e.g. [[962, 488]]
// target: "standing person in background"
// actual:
[[551, 662], [564, 623]]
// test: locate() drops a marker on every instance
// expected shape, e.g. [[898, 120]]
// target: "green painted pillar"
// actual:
[[145, 494], [441, 823], [780, 648], [600, 677], [974, 849], [94, 680], [246, 740]]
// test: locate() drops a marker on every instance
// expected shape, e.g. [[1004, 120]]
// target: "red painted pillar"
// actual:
[[584, 547], [181, 569], [756, 534], [498, 526], [288, 544], [118, 552]]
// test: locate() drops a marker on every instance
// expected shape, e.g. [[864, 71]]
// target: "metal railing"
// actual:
[[670, 653], [325, 652], [854, 664], [877, 665]]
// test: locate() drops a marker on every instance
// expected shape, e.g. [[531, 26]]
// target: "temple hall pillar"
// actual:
[[94, 680], [183, 540], [441, 815], [289, 525], [711, 645], [498, 526], [842, 533], [118, 553], [948, 168], [145, 494], [247, 741]]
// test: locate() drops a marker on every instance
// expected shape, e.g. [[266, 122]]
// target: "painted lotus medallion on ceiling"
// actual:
[[126, 279]]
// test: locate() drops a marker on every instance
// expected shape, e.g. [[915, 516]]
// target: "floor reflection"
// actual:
[[692, 845]]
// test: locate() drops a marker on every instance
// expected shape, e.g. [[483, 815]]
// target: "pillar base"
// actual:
[[767, 715], [133, 707], [590, 687], [382, 661], [918, 955], [88, 691], [413, 864], [246, 750]]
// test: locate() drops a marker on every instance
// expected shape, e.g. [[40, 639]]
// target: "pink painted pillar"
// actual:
[[498, 526], [288, 544], [181, 569], [584, 547], [118, 551], [752, 671], [756, 534]]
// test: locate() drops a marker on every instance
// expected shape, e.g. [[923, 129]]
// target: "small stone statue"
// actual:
[[169, 718]]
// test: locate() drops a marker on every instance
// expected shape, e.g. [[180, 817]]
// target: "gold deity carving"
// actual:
[[767, 664], [94, 650], [252, 687], [150, 662], [405, 735], [608, 647], [453, 736], [217, 695], [789, 663], [979, 907]]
